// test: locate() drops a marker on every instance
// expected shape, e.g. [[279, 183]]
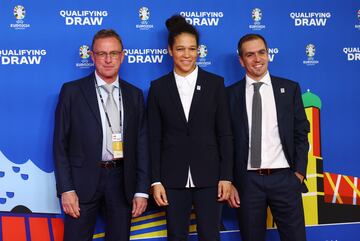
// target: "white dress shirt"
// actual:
[[106, 155], [272, 154]]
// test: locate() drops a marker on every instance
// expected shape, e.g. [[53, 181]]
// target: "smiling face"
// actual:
[[184, 53], [254, 58], [107, 64]]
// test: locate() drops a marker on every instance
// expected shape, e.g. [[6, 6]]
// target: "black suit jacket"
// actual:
[[78, 139], [292, 122], [204, 142]]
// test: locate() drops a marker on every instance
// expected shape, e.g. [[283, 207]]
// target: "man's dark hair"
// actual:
[[249, 37], [107, 33]]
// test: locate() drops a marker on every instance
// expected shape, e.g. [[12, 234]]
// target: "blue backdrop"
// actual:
[[44, 44]]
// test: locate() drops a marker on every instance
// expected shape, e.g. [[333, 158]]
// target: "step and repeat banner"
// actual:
[[44, 44]]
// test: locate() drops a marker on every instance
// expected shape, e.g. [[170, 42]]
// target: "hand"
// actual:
[[160, 195], [224, 190], [70, 204], [138, 206], [301, 177], [234, 200]]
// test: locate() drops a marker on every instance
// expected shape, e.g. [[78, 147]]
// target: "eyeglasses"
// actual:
[[112, 54]]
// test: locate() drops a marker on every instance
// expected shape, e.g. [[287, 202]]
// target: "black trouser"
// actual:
[[281, 191], [110, 199], [207, 210]]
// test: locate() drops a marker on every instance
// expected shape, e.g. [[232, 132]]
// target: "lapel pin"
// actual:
[[198, 87], [282, 90]]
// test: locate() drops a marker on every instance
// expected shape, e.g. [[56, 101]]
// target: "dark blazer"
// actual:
[[292, 122], [78, 139], [204, 142]]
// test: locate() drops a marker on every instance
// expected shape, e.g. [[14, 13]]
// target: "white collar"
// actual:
[[101, 82], [192, 76], [266, 80]]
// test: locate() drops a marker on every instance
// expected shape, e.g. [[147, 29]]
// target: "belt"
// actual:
[[266, 171], [112, 163]]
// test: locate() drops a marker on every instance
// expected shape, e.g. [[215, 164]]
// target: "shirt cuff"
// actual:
[[226, 181], [68, 191], [140, 194], [155, 183]]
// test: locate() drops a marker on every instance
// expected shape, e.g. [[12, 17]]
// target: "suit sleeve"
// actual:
[[64, 181], [143, 163], [155, 130], [224, 134], [301, 130]]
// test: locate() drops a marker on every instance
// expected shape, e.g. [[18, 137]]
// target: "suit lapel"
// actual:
[[242, 102], [174, 93], [89, 92], [278, 103], [196, 102], [277, 96], [127, 103]]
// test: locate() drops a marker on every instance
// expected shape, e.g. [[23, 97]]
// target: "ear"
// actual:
[[241, 61], [170, 51], [92, 55], [122, 56]]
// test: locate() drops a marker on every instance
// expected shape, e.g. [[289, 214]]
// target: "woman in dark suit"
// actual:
[[190, 139]]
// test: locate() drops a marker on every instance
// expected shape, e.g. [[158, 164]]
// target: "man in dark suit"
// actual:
[[100, 147], [271, 147]]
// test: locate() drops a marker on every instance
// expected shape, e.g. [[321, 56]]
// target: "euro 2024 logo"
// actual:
[[202, 51], [310, 50], [144, 14], [84, 53], [256, 14], [357, 26], [19, 12]]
